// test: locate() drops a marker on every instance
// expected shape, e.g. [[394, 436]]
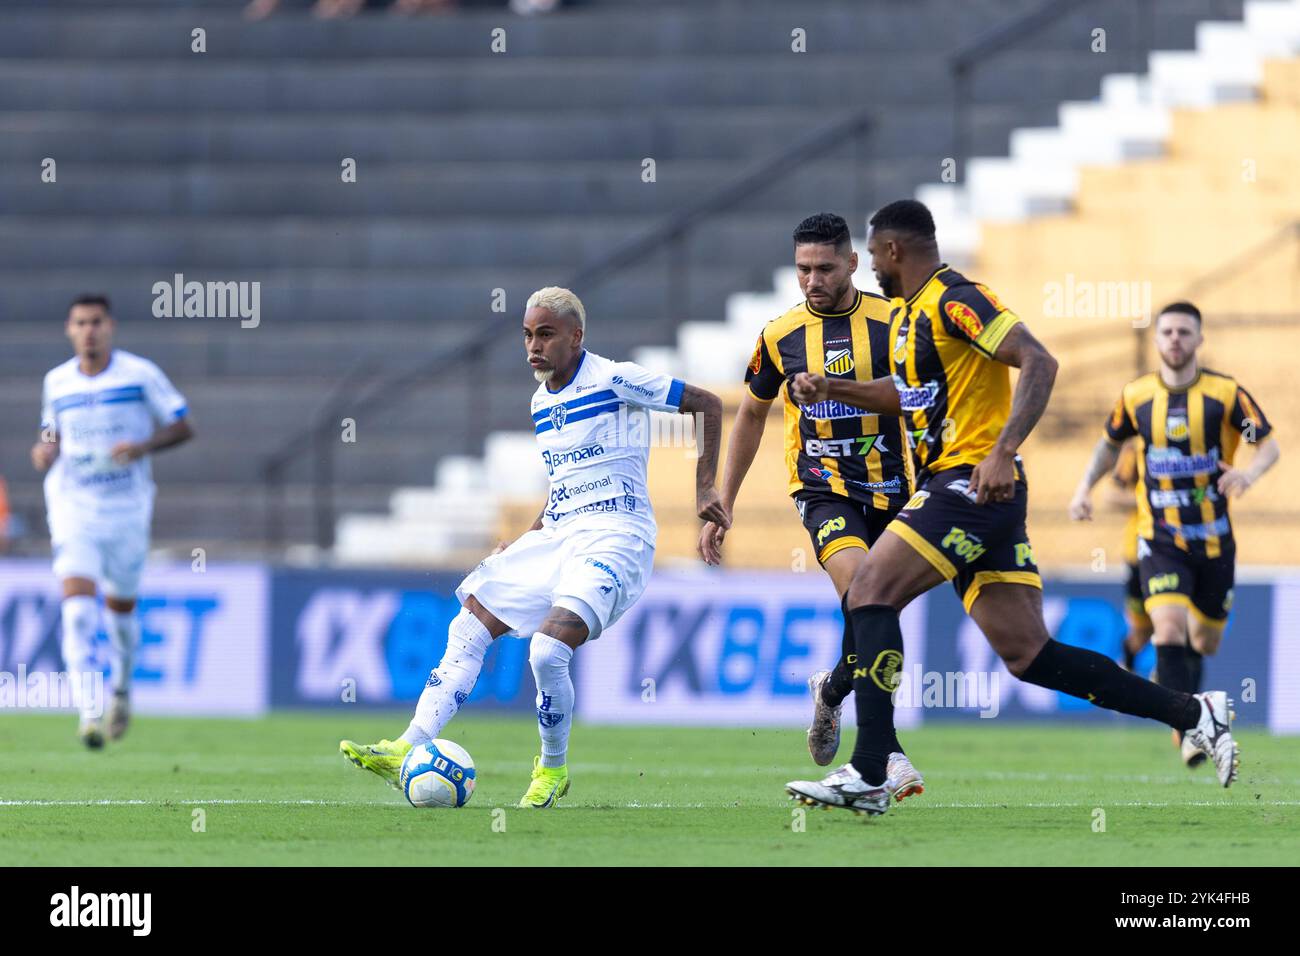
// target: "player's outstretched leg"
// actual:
[[80, 621], [449, 684], [1010, 615], [550, 657], [886, 580], [123, 638]]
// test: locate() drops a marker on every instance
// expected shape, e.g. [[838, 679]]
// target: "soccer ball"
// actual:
[[438, 774]]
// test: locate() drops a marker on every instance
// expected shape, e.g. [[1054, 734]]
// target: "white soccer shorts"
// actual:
[[113, 557], [602, 569]]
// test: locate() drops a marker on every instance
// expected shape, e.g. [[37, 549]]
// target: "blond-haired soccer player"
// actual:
[[587, 557]]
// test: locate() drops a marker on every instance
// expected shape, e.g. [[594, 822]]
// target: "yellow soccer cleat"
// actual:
[[384, 758], [549, 784]]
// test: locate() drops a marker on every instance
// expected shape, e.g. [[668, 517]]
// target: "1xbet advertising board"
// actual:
[[700, 647], [719, 648], [203, 647], [370, 638]]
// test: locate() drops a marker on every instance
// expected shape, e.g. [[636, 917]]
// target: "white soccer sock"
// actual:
[[550, 659], [123, 638], [80, 621], [451, 681]]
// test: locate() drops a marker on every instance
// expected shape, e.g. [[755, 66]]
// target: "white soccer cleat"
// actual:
[[1212, 735], [903, 779], [824, 733], [119, 715], [845, 789]]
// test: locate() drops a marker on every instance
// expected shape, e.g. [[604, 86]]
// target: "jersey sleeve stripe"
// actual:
[[995, 332], [674, 399]]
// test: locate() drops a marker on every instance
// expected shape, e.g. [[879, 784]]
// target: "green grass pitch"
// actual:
[[275, 791]]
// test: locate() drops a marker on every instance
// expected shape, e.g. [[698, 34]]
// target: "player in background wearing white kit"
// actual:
[[588, 555], [103, 413]]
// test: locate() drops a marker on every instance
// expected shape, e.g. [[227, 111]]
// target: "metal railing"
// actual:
[[320, 439]]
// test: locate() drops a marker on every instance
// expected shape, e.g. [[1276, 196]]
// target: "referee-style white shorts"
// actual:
[[596, 573], [111, 557]]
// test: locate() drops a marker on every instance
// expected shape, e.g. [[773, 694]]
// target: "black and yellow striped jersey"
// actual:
[[830, 445], [955, 398], [1183, 434]]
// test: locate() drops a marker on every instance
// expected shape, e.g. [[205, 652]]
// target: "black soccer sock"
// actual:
[[1171, 667], [841, 681], [1096, 678], [878, 640], [1195, 665]]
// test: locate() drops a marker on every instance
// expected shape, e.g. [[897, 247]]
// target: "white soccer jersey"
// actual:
[[594, 437], [127, 401]]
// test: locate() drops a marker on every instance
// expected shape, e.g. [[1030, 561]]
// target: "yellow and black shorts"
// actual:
[[969, 544], [835, 522], [1202, 585]]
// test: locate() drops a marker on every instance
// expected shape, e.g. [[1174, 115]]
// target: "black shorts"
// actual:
[[1171, 575], [1134, 601], [835, 522], [970, 545]]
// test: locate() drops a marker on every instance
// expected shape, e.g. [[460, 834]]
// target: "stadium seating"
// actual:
[[1193, 176], [226, 165]]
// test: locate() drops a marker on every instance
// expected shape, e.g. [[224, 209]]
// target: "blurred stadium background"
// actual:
[[1110, 155]]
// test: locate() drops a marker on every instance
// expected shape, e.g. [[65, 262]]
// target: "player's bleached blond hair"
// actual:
[[560, 301]]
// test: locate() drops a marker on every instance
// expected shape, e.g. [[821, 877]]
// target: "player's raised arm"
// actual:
[[994, 478], [879, 396], [707, 409]]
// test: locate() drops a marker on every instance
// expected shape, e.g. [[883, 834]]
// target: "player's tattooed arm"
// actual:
[[994, 478], [166, 437], [880, 395], [45, 451], [742, 446], [1104, 457], [707, 409]]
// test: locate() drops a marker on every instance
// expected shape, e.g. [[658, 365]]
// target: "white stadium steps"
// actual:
[[1131, 119]]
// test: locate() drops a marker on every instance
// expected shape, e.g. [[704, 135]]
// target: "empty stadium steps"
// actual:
[[476, 171], [1209, 187]]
